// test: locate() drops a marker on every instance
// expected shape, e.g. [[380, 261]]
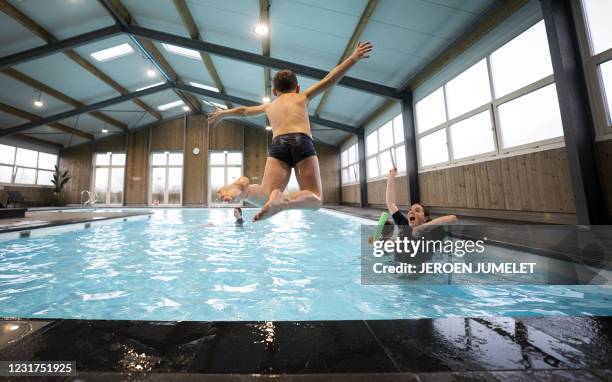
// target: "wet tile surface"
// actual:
[[449, 349]]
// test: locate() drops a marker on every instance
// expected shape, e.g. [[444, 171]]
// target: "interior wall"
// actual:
[[32, 195], [604, 156], [535, 182], [185, 134], [377, 192], [78, 162], [350, 194]]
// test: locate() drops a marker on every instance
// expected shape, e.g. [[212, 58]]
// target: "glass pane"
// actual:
[[430, 111], [26, 158], [159, 159], [606, 79], [400, 158], [175, 159], [351, 154], [47, 161], [433, 149], [217, 180], [398, 129], [6, 174], [385, 136], [372, 168], [102, 159], [344, 175], [118, 159], [175, 184], [597, 14], [25, 176], [530, 118], [344, 158], [233, 173], [7, 154], [101, 184], [234, 158], [217, 158], [356, 172], [472, 136], [293, 185], [521, 61], [372, 143], [468, 90], [117, 185], [44, 178], [385, 162], [352, 174], [158, 184]]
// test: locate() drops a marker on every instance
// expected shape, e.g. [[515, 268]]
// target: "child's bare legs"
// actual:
[[309, 196]]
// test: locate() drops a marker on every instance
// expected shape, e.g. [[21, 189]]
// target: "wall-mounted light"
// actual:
[[38, 101]]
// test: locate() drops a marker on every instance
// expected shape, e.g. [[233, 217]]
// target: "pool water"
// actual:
[[194, 264]]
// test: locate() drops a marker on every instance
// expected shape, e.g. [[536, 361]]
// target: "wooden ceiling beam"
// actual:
[[42, 33]]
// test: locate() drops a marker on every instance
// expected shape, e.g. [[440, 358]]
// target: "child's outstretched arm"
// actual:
[[390, 192], [244, 111], [362, 50]]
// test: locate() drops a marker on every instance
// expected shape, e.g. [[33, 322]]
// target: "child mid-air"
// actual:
[[292, 145]]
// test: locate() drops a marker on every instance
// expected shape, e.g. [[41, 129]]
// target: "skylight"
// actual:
[[215, 104], [202, 86], [170, 105], [150, 86], [182, 51], [113, 52]]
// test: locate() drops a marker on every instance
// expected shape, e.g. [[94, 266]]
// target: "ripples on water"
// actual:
[[299, 265]]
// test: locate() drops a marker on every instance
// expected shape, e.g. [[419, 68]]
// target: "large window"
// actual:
[[108, 178], [596, 38], [505, 102], [349, 164], [385, 147], [167, 178], [224, 168], [22, 166]]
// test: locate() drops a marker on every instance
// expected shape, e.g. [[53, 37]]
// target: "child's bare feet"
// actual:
[[235, 191], [275, 204]]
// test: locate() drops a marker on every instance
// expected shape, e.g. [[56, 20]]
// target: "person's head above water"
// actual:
[[418, 214], [285, 81], [238, 213]]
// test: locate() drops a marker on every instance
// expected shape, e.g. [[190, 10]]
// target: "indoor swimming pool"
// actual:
[[194, 264]]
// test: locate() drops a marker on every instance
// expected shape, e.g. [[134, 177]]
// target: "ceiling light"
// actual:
[[182, 51], [186, 108], [39, 103], [202, 86], [261, 29], [151, 73], [269, 128], [170, 105], [112, 53], [265, 99], [105, 131], [150, 86], [215, 104]]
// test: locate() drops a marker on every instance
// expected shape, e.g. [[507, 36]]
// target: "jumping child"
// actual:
[[292, 145]]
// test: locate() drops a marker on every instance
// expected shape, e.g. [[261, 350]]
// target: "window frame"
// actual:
[[36, 169], [110, 167], [492, 107], [602, 117], [354, 164], [167, 166], [379, 152]]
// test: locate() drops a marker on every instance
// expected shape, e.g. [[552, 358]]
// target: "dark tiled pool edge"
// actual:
[[455, 348]]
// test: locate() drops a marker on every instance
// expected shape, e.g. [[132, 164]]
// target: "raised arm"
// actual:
[[243, 111], [390, 193], [362, 50]]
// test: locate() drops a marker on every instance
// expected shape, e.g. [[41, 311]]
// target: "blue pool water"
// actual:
[[299, 265]]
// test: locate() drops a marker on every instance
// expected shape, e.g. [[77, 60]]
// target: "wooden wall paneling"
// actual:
[[350, 194], [36, 195], [114, 143], [496, 187], [255, 153], [329, 163], [137, 168], [168, 136], [604, 157], [195, 179], [511, 182], [78, 162], [471, 187], [227, 135]]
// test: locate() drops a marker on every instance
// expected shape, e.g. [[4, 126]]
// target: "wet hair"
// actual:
[[239, 210], [285, 81], [425, 210]]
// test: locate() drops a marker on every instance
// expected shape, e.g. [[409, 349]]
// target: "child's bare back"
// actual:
[[289, 114]]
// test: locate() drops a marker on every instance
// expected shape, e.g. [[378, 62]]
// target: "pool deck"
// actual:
[[43, 219], [444, 349]]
